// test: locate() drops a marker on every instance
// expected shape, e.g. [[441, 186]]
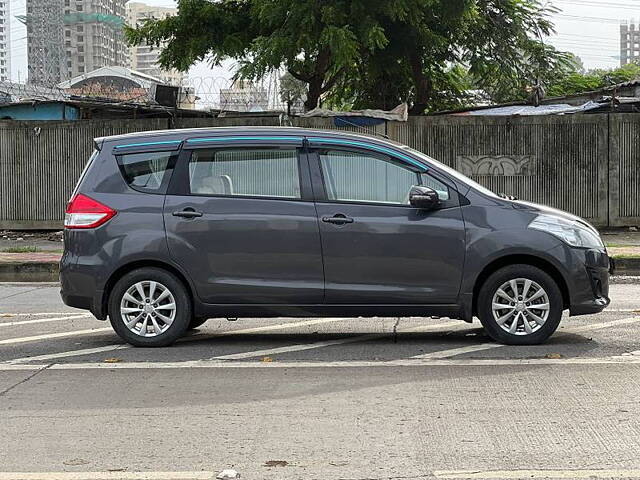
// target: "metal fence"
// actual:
[[586, 164]]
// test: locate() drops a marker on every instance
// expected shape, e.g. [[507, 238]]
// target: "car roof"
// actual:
[[181, 133]]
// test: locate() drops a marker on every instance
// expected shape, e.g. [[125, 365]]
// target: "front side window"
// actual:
[[352, 176], [145, 171], [261, 172]]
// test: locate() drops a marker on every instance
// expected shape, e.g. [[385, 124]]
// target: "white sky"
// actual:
[[587, 28]]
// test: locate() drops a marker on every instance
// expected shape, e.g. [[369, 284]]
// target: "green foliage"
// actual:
[[369, 54], [575, 82]]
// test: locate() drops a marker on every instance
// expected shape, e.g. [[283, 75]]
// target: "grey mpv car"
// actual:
[[166, 229]]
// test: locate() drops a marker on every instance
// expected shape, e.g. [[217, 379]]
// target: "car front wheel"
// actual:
[[520, 305], [149, 307]]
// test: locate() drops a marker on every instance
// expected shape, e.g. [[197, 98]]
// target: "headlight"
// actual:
[[576, 234]]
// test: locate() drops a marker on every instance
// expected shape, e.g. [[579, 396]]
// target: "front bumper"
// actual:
[[591, 282]]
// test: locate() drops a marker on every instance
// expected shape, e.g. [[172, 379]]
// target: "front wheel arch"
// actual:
[[532, 260]]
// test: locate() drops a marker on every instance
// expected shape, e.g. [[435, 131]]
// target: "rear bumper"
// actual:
[[78, 289]]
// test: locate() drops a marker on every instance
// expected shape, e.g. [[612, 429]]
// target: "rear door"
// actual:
[[241, 221], [377, 248]]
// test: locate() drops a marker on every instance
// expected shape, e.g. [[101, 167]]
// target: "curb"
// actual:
[[29, 271], [49, 271], [627, 266]]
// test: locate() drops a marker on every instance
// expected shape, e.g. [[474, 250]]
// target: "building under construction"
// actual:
[[66, 38]]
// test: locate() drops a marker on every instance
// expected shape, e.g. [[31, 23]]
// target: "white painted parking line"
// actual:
[[299, 348], [42, 320], [71, 353], [603, 325], [89, 351], [452, 352], [107, 475], [509, 474], [39, 314], [340, 341], [426, 362], [49, 336], [265, 328]]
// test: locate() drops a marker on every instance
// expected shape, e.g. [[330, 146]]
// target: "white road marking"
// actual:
[[329, 343], [49, 336], [71, 353], [8, 314], [89, 351], [426, 362], [452, 352], [266, 328], [509, 474], [299, 348], [42, 320], [107, 475], [600, 326]]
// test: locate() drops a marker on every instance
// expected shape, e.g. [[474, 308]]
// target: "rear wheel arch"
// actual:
[[129, 267], [532, 260]]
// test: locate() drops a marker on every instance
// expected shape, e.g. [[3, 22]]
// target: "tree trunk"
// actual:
[[422, 84], [313, 95]]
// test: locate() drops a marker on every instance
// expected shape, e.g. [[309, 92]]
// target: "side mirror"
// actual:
[[423, 198]]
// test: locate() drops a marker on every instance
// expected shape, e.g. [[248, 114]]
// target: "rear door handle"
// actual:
[[187, 213], [338, 219]]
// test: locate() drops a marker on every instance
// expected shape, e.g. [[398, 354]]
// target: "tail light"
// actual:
[[85, 212]]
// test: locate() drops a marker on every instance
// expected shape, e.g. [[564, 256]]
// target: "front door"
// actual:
[[239, 224], [377, 249]]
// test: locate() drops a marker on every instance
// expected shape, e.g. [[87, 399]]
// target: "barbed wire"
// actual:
[[110, 85]]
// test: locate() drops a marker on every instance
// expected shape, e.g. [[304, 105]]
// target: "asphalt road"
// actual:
[[316, 398]]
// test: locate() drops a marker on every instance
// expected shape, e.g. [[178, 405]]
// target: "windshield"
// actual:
[[454, 173]]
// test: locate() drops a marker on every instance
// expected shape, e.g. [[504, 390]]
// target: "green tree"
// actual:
[[316, 42], [367, 53], [575, 82]]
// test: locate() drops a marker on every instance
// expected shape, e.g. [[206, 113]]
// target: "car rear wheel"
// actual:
[[520, 305], [149, 307]]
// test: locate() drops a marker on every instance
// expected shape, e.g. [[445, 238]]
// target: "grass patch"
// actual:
[[627, 255], [25, 249]]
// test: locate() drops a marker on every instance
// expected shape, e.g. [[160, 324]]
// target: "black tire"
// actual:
[[504, 275], [197, 322], [183, 309]]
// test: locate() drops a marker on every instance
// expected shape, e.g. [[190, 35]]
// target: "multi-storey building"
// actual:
[[93, 35], [66, 38], [144, 58], [629, 42], [5, 32]]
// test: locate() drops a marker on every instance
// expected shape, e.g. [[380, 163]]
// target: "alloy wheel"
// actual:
[[148, 308], [520, 306]]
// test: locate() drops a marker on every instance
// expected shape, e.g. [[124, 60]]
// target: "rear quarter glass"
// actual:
[[86, 168]]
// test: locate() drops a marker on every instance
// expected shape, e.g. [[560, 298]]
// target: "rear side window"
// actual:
[[146, 172], [260, 172]]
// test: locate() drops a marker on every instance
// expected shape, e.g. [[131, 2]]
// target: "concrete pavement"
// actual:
[[316, 398]]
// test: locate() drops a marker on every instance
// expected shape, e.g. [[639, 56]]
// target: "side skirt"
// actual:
[[342, 310]]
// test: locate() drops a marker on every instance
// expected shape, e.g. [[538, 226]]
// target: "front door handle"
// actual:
[[338, 219], [187, 213]]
